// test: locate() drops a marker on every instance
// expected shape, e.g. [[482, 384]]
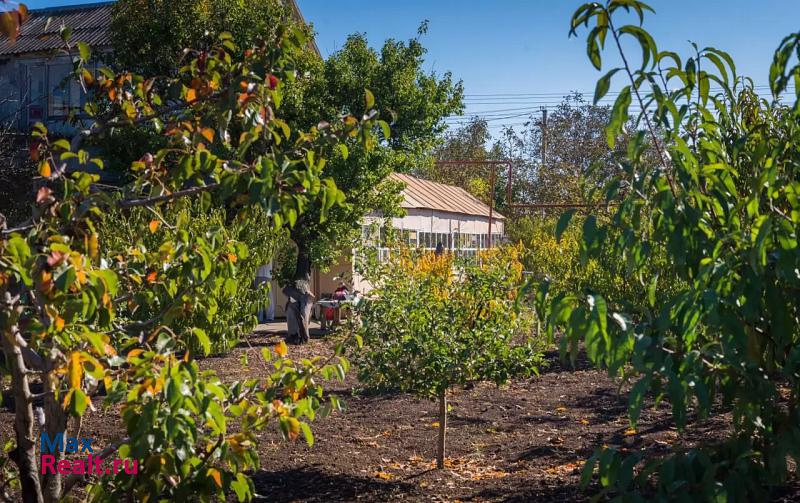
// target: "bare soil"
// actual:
[[522, 442]]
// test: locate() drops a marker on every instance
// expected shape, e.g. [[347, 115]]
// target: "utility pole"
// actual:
[[544, 135]]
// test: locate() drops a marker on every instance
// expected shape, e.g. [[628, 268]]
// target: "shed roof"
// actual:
[[89, 23], [424, 194]]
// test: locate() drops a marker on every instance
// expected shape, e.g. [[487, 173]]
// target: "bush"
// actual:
[[226, 309], [720, 205], [434, 322]]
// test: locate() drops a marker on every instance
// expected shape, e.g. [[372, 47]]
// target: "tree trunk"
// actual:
[[442, 429], [25, 453], [55, 423], [300, 294]]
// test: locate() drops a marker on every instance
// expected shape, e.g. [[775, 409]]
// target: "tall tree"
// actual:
[[577, 157], [414, 101]]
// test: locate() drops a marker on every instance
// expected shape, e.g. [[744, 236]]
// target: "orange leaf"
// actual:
[[153, 226], [232, 257], [214, 474], [207, 133], [134, 353], [629, 432], [88, 77], [191, 95], [59, 323], [151, 276], [281, 349], [44, 169], [94, 246]]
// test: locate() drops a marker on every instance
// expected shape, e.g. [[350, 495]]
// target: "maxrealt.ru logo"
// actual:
[[91, 464]]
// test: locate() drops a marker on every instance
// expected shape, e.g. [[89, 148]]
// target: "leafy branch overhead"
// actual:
[[83, 313]]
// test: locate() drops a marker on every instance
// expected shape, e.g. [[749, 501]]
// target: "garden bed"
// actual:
[[521, 442]]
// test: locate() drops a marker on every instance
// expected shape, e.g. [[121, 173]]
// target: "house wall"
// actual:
[[429, 220], [35, 90]]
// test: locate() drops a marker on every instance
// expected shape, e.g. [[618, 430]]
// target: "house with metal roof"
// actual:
[[34, 69], [435, 213]]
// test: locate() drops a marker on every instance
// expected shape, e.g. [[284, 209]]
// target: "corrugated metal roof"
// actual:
[[425, 194], [89, 23]]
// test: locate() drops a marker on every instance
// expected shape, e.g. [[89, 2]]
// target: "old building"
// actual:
[[35, 69]]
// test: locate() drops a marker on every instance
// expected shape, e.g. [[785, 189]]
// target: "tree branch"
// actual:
[[131, 203], [75, 478]]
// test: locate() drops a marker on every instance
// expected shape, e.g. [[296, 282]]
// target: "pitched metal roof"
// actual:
[[424, 194], [89, 23]]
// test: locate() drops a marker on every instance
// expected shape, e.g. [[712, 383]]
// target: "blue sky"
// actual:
[[521, 46]]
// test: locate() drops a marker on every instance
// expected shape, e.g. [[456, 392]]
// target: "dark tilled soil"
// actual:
[[522, 442]]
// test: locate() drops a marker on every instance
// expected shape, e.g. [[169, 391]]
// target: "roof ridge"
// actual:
[[70, 7]]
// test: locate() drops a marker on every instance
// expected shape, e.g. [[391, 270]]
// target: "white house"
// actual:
[[435, 213]]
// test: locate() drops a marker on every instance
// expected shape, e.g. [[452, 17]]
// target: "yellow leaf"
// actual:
[[67, 398], [294, 428], [214, 474], [75, 370], [384, 475], [584, 421], [561, 410], [629, 432], [59, 323], [44, 169], [281, 349], [153, 226], [435, 424]]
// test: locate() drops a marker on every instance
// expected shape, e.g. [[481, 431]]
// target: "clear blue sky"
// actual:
[[521, 46]]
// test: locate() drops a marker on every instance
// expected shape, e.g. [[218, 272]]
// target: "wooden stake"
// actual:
[[442, 429]]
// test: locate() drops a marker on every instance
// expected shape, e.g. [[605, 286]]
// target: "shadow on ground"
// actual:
[[317, 484]]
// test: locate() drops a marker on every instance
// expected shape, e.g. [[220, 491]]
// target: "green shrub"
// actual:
[[226, 310], [433, 322]]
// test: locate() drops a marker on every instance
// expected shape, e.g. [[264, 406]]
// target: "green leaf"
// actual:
[[369, 99], [241, 486], [203, 339], [309, 436], [603, 85], [593, 49], [387, 131], [85, 51], [636, 399], [645, 41], [563, 222]]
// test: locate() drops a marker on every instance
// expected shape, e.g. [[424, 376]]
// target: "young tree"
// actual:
[[62, 321], [720, 201], [433, 323]]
